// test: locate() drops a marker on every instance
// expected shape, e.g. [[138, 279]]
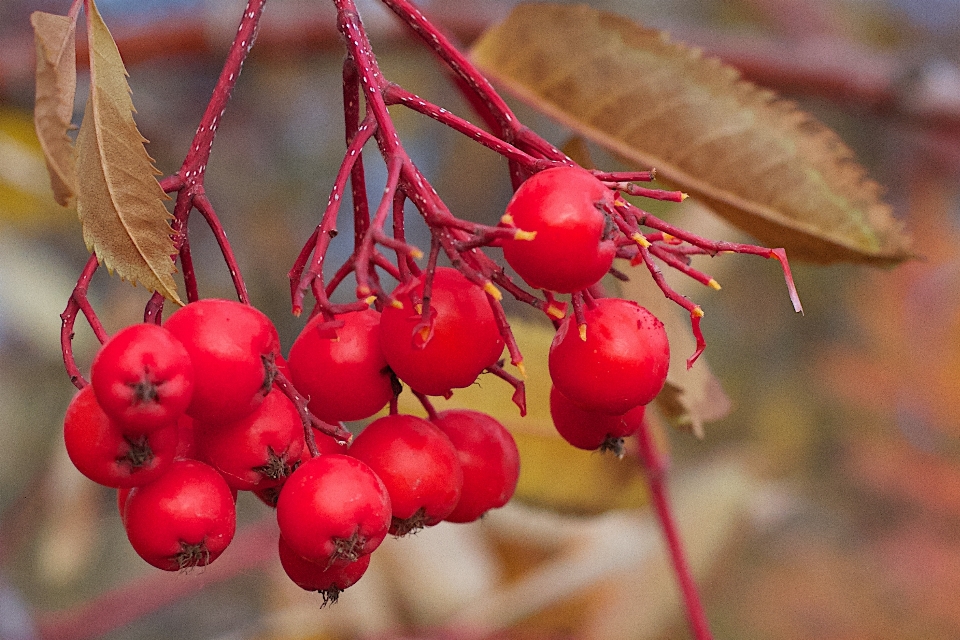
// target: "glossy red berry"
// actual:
[[330, 581], [333, 509], [567, 209], [489, 458], [101, 450], [143, 377], [622, 363], [257, 451], [183, 519], [342, 370], [418, 465], [459, 341], [233, 347], [591, 430]]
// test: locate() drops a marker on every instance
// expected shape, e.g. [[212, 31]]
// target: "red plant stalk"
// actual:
[[655, 468]]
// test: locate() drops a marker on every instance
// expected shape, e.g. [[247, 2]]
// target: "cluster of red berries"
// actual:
[[180, 417], [609, 358]]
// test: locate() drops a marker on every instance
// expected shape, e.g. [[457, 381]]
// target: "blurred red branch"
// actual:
[[253, 547], [823, 66]]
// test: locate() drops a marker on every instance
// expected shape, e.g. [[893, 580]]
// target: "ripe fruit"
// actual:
[[573, 247], [418, 465], [257, 451], [143, 377], [489, 458], [342, 371], [328, 580], [333, 510], [459, 342], [183, 519], [622, 363], [233, 347], [591, 430], [103, 452]]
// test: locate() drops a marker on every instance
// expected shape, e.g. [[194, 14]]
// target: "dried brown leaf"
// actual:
[[56, 85], [757, 160], [119, 200]]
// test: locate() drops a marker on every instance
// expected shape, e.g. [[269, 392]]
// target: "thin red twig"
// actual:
[[655, 468]]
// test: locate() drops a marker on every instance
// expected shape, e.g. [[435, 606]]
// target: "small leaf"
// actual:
[[56, 85], [119, 201], [756, 160]]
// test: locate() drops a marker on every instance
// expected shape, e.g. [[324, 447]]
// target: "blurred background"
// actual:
[[825, 505]]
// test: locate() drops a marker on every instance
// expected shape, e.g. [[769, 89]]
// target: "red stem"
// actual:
[[655, 467]]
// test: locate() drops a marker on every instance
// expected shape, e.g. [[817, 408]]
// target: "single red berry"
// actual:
[[342, 369], [591, 430], [101, 450], [333, 510], [489, 458], [567, 209], [183, 519], [622, 362], [234, 348], [143, 377], [459, 340], [257, 451], [330, 581], [419, 466]]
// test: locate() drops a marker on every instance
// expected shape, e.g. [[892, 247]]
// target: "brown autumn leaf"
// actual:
[[56, 85], [119, 201], [755, 159]]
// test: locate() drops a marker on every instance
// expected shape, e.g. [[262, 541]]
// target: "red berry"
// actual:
[[591, 430], [573, 249], [328, 580], [333, 509], [342, 370], [103, 452], [183, 519], [257, 451], [489, 458], [622, 363], [233, 347], [419, 466], [143, 377], [450, 351]]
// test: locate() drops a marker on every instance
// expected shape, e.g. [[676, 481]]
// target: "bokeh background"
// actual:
[[826, 505]]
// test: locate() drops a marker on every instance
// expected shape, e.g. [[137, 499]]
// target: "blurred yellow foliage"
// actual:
[[26, 198]]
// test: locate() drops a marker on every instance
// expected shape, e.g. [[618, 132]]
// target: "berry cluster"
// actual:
[[180, 417], [609, 359]]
